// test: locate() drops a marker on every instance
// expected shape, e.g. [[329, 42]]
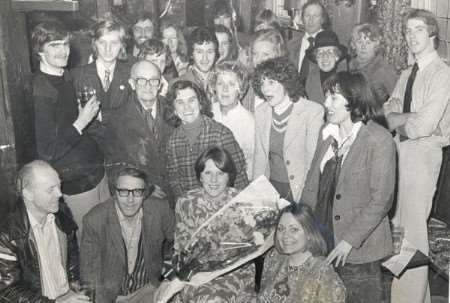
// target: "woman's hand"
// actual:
[[167, 290], [340, 253]]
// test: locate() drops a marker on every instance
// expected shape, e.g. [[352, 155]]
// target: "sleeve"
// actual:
[[382, 182], [331, 287], [90, 252], [395, 102], [428, 116], [229, 143], [172, 168], [53, 141], [12, 289]]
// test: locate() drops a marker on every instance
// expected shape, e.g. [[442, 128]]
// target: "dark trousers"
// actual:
[[363, 282]]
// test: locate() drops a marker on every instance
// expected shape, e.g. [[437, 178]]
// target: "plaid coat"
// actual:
[[181, 156]]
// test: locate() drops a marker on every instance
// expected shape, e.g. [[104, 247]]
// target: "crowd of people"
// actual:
[[138, 148]]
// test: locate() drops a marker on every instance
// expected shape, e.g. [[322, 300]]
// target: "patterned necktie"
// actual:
[[150, 120], [106, 80], [408, 93], [304, 69]]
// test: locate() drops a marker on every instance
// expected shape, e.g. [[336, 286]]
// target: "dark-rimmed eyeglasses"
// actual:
[[143, 82], [125, 192]]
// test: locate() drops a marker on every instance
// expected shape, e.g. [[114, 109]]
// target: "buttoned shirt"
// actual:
[[101, 70], [53, 275], [344, 144], [131, 233], [430, 120], [304, 46]]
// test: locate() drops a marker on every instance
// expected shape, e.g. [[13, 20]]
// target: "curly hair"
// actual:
[[369, 30], [233, 67], [281, 70], [205, 106], [199, 36], [361, 102]]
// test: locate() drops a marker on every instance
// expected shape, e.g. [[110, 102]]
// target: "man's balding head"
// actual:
[[145, 79]]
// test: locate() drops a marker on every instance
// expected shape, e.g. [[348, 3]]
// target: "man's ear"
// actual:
[[132, 84], [27, 194]]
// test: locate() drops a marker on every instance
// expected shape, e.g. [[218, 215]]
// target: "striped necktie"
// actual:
[[106, 80]]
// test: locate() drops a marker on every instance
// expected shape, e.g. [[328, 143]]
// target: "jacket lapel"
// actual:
[[293, 123], [116, 232]]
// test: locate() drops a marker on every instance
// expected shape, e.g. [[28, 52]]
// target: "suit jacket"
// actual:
[[133, 142], [364, 192], [110, 101], [103, 252], [19, 258], [293, 47], [299, 142]]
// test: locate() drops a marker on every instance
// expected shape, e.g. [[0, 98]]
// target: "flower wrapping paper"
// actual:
[[234, 232]]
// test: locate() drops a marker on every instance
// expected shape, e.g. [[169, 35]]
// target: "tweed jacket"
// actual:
[[181, 156], [299, 143], [132, 142], [19, 259], [364, 192], [103, 252]]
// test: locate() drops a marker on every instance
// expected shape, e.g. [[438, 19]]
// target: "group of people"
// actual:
[[137, 149]]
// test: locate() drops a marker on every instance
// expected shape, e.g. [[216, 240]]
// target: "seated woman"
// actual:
[[189, 111], [267, 44], [350, 185], [295, 270], [172, 36], [229, 84], [287, 127], [228, 50], [216, 172], [367, 49], [325, 56]]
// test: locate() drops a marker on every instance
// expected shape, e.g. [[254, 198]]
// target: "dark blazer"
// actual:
[[364, 192], [133, 142], [103, 252], [293, 48], [19, 260]]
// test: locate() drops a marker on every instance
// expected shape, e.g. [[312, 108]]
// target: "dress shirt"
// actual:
[[343, 143], [131, 233], [153, 108], [53, 275], [101, 71], [304, 46]]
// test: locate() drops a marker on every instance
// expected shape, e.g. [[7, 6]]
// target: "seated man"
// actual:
[[139, 132], [122, 242], [38, 244]]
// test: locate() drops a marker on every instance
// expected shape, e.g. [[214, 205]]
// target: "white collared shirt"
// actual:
[[153, 108], [43, 67], [426, 59], [343, 143], [131, 233], [101, 69], [304, 46], [53, 274]]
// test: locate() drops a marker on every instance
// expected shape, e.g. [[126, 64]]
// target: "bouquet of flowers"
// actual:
[[237, 231]]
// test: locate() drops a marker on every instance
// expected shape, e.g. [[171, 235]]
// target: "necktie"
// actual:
[[149, 119], [106, 81], [304, 69], [408, 93]]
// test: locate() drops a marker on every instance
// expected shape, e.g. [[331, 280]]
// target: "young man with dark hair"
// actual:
[[143, 29], [61, 124], [419, 113]]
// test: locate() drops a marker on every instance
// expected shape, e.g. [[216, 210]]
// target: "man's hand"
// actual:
[[87, 113], [340, 253], [72, 297], [395, 120]]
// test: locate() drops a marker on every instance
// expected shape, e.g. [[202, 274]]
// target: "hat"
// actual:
[[323, 39]]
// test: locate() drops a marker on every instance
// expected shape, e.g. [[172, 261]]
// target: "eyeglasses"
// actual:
[[124, 192], [143, 82], [325, 53]]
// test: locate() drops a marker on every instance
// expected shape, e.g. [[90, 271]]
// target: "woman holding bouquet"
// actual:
[[189, 111], [295, 271], [287, 127], [350, 185], [216, 172]]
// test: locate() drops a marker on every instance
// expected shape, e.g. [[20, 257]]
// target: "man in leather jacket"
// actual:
[[39, 258]]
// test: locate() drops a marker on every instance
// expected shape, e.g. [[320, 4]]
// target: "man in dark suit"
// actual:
[[123, 240], [315, 19], [139, 132]]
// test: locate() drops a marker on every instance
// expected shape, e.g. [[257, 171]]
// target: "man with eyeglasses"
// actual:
[[139, 132], [124, 239]]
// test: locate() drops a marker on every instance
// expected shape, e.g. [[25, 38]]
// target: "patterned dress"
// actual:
[[191, 211], [311, 282]]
